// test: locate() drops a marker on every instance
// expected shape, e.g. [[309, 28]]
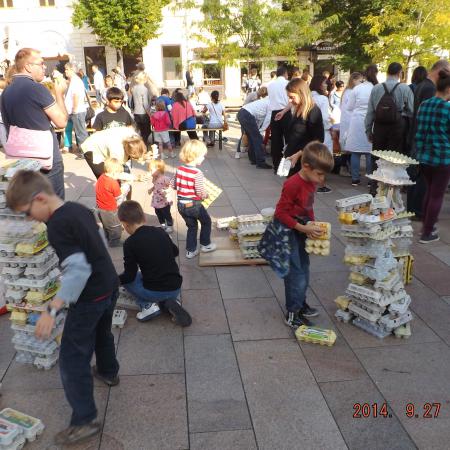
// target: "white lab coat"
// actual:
[[322, 102], [356, 140], [345, 118]]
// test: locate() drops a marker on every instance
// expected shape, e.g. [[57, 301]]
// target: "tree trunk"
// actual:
[[119, 53]]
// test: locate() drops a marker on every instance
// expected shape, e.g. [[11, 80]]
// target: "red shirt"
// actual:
[[106, 191], [297, 198]]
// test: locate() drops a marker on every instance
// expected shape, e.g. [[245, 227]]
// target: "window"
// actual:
[[6, 3], [47, 2], [172, 65]]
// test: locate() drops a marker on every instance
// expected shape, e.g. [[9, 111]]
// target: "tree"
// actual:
[[409, 31], [123, 24]]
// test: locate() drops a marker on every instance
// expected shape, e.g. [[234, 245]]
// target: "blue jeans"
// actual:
[[56, 178], [87, 330], [248, 123], [79, 126], [68, 134], [297, 280], [355, 161], [145, 296], [192, 215]]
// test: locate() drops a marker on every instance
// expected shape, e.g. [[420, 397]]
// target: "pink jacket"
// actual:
[[181, 112], [160, 121]]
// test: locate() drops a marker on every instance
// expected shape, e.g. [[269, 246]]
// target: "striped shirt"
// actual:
[[189, 184], [433, 132]]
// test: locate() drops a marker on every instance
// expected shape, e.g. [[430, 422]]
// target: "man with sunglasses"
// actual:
[[26, 103]]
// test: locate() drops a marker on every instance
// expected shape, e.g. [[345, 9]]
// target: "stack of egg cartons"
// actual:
[[251, 227], [375, 299], [29, 271], [16, 428], [321, 245]]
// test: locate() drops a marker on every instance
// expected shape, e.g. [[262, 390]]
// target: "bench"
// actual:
[[198, 129]]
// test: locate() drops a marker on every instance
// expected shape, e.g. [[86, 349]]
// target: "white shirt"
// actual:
[[260, 110], [278, 98], [322, 102], [76, 87], [99, 83], [215, 115]]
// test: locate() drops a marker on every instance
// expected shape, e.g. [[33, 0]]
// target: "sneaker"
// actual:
[[108, 381], [294, 320], [148, 312], [264, 166], [172, 154], [356, 182], [179, 315], [79, 156], [307, 311], [324, 190], [208, 248], [237, 155], [65, 150], [77, 434], [428, 239], [168, 229], [190, 255]]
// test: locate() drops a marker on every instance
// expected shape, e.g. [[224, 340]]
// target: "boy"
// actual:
[[89, 287], [152, 251], [295, 210], [114, 114]]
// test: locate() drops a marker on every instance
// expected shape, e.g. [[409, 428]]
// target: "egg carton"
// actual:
[[361, 309], [390, 283], [394, 157], [46, 362], [248, 244], [326, 230], [9, 433], [224, 222], [403, 331], [371, 328], [358, 278], [32, 246], [25, 357], [315, 335], [21, 164], [119, 318], [13, 228], [32, 260], [356, 201], [377, 176], [28, 307], [317, 250], [42, 270], [250, 253], [401, 306], [369, 220], [40, 284], [8, 270], [31, 427], [250, 219], [36, 297], [7, 249], [251, 229], [30, 329], [390, 322], [371, 249], [380, 235], [14, 294], [343, 316], [18, 317], [342, 302], [376, 297], [44, 348]]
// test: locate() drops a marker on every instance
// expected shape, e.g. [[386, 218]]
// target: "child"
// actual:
[[161, 124], [109, 195], [294, 210], [2, 126], [109, 83], [189, 184], [216, 118], [114, 114], [89, 286], [152, 251], [159, 199]]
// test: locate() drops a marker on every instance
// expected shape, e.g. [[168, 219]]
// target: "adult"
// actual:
[[99, 83], [253, 96], [387, 122], [306, 76], [141, 106], [357, 142], [305, 125], [424, 90], [183, 116], [217, 118], [419, 74], [280, 114], [253, 82], [84, 78], [120, 80], [318, 87], [433, 153], [75, 102], [190, 82], [26, 103]]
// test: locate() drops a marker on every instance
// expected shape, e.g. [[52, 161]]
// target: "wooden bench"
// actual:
[[198, 129]]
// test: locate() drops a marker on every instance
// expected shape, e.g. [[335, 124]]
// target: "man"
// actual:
[[190, 82], [75, 102], [26, 103], [386, 126], [424, 90], [99, 83], [278, 102]]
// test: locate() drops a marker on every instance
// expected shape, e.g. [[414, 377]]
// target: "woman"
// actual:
[[356, 141], [217, 118], [141, 106], [433, 153], [306, 124], [183, 115], [419, 74]]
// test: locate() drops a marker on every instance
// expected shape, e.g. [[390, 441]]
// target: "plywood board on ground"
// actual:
[[227, 254]]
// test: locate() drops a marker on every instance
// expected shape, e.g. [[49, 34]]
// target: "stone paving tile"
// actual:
[[416, 374], [360, 433], [443, 254], [255, 319], [216, 400], [287, 407], [158, 418], [243, 282], [6, 349], [207, 312], [194, 276], [224, 440]]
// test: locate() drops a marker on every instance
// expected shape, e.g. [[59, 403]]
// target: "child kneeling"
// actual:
[[151, 273]]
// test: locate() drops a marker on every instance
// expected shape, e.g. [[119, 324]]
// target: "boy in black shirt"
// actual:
[[89, 288], [152, 251], [114, 114]]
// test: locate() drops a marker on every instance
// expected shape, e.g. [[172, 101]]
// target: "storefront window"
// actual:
[[172, 64], [6, 3], [47, 2], [94, 55]]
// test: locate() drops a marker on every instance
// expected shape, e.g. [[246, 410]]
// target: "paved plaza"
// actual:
[[237, 379]]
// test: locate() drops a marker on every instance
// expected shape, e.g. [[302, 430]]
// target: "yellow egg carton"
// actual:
[[315, 335], [355, 260], [358, 278], [18, 317], [342, 302], [326, 230], [317, 247]]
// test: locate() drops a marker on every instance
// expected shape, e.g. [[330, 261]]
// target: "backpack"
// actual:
[[387, 111]]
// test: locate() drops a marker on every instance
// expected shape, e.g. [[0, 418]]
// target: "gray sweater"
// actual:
[[141, 99]]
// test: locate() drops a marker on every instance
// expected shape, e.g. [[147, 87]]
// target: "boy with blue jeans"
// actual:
[[89, 289], [158, 282], [295, 210]]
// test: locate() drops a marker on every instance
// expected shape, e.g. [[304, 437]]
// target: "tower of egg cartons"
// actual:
[[30, 274], [377, 230]]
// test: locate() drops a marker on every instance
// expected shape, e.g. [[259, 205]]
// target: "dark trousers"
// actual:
[[87, 330], [389, 136], [248, 123], [111, 225], [192, 215], [437, 179], [143, 125], [97, 169], [164, 216], [279, 130], [56, 177], [416, 192]]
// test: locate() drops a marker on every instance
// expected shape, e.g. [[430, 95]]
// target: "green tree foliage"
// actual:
[[123, 24]]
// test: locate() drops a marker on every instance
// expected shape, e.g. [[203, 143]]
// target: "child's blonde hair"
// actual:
[[157, 164], [192, 150], [317, 156], [134, 147], [112, 166], [160, 106]]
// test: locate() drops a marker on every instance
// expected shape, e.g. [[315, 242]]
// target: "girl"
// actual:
[[159, 198], [216, 118], [189, 185], [357, 142], [161, 124]]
